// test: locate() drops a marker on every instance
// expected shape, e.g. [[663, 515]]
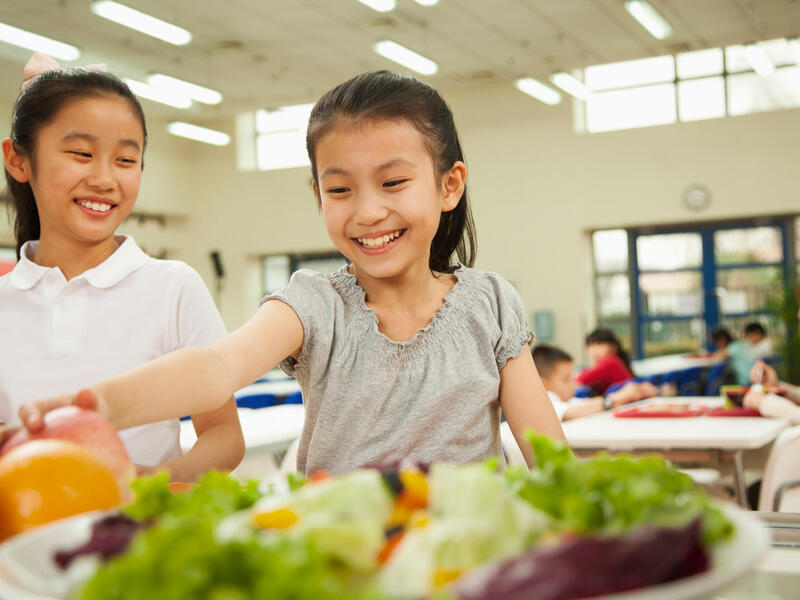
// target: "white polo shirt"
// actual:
[[57, 336]]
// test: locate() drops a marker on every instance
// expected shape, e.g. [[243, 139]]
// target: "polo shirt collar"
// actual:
[[27, 273], [125, 259]]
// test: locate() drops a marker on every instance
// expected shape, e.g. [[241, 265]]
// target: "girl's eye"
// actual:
[[337, 190], [81, 153], [395, 182], [130, 161]]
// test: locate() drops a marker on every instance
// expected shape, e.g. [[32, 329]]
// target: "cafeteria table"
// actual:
[[268, 432], [660, 365], [696, 439], [777, 575]]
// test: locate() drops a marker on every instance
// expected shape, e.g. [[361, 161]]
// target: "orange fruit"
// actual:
[[45, 480]]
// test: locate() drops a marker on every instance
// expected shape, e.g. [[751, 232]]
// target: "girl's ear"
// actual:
[[453, 182], [16, 163]]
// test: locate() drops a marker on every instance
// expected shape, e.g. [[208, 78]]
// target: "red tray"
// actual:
[[734, 411], [640, 412]]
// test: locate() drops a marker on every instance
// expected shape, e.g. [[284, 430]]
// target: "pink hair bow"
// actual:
[[41, 63]]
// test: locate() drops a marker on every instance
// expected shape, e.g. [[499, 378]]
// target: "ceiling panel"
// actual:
[[267, 53]]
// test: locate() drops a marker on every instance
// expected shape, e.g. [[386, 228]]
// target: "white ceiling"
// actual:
[[268, 53]]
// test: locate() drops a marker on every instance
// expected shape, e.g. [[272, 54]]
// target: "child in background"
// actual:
[[740, 360], [82, 303], [756, 337], [610, 363], [401, 354], [555, 368]]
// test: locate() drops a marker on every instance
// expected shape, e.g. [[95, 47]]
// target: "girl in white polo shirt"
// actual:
[[82, 303]]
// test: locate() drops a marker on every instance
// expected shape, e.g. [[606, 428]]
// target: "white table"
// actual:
[[724, 437], [271, 429], [659, 365]]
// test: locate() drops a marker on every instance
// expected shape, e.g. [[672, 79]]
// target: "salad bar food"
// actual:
[[568, 529]]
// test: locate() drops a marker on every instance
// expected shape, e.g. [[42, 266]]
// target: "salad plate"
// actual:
[[28, 572], [570, 528]]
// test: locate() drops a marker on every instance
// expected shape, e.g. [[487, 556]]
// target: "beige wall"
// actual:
[[536, 189]]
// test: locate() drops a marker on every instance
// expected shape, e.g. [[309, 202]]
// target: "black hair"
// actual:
[[380, 96], [37, 106], [755, 327], [546, 358], [607, 336], [721, 335]]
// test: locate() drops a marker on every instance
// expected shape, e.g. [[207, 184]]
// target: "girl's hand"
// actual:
[[32, 413], [764, 374], [753, 400]]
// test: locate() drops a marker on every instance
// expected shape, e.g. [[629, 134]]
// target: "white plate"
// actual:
[[27, 571]]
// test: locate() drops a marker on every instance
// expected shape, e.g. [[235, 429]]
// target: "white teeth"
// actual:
[[96, 206], [379, 241]]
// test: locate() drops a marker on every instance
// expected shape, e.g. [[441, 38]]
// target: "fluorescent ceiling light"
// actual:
[[649, 18], [427, 2], [404, 56], [759, 60], [129, 17], [37, 43], [380, 5], [571, 85], [167, 97], [538, 90], [199, 134], [185, 88]]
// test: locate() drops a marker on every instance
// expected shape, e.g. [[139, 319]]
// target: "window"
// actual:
[[277, 269], [632, 107], [8, 258], [707, 84], [674, 286], [279, 138], [612, 285]]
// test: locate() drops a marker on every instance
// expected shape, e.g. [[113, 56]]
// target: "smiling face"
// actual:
[[86, 170], [381, 197]]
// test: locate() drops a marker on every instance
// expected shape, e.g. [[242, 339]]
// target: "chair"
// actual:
[[513, 454], [294, 398], [780, 487], [715, 378], [688, 382], [289, 460], [256, 400]]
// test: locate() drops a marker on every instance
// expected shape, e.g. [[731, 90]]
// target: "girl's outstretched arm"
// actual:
[[190, 380], [525, 402]]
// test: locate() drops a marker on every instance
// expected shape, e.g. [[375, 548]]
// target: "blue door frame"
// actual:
[[708, 270]]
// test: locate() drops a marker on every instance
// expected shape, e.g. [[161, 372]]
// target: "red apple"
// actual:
[[88, 429]]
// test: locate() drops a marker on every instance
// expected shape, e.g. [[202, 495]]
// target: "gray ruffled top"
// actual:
[[372, 400]]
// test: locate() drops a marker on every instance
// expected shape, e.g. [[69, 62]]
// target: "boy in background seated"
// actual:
[[556, 370], [756, 337]]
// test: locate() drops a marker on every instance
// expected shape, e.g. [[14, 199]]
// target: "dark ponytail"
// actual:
[[36, 106], [606, 336], [382, 96]]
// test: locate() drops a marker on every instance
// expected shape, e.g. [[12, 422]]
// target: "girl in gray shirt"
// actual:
[[401, 354]]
